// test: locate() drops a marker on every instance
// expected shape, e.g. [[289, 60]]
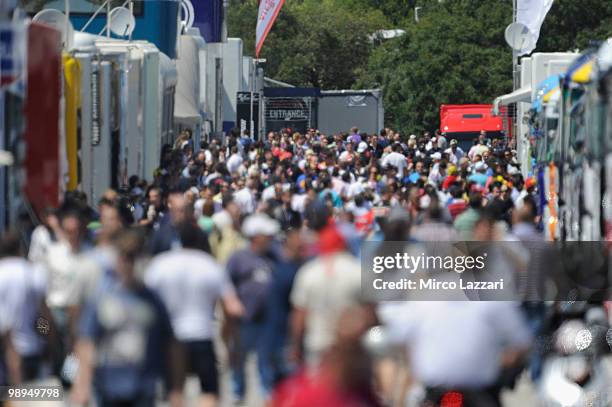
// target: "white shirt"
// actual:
[[189, 282], [22, 290], [268, 193], [234, 162], [355, 189], [325, 287], [298, 202], [456, 343], [60, 263], [397, 160], [454, 157], [245, 200], [40, 242]]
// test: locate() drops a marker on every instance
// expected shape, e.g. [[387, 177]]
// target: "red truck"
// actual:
[[464, 123]]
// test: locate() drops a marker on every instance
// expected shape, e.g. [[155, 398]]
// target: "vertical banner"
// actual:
[[208, 17], [532, 13], [268, 11]]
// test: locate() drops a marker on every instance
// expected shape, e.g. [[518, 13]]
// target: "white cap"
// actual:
[[479, 166], [413, 137], [363, 146], [436, 156], [260, 224]]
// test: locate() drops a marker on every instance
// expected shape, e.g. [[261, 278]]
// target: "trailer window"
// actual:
[[473, 116]]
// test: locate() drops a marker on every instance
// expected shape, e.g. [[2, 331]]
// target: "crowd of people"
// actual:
[[242, 247]]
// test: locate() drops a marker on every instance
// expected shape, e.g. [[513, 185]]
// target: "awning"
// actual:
[[544, 90], [519, 95], [583, 73], [187, 96], [580, 70]]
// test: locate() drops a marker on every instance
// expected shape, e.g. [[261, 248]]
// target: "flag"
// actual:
[[532, 13], [268, 11]]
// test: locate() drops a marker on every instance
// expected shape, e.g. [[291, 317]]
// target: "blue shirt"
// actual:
[[278, 305], [479, 178], [251, 274], [132, 332], [412, 178]]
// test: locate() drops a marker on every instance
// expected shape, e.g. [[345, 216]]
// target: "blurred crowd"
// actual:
[[241, 247]]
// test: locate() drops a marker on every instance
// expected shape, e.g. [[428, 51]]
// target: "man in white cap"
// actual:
[[454, 152], [250, 270], [479, 175]]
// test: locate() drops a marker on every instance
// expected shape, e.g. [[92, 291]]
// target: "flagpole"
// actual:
[[515, 81]]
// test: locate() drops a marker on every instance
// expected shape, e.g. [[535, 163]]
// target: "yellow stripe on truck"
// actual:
[[71, 95]]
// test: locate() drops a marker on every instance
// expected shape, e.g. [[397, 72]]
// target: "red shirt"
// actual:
[[305, 391], [448, 181], [456, 207]]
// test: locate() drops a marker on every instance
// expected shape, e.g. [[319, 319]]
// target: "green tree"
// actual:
[[319, 43], [455, 54], [574, 25]]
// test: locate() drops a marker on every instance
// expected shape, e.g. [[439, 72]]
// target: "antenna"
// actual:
[[122, 21], [58, 20], [187, 14], [518, 36]]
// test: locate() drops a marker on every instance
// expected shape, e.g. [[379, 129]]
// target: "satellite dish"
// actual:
[[58, 20], [519, 37], [122, 21], [188, 14]]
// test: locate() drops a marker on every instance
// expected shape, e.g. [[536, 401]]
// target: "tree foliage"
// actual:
[[455, 54], [319, 43]]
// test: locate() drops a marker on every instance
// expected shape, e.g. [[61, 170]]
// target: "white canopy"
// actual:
[[519, 95]]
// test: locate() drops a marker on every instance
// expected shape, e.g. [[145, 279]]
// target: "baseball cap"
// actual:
[[260, 224], [363, 146], [436, 156], [453, 142]]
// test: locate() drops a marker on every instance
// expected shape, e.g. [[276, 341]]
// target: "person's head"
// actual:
[[475, 200], [260, 229], [530, 184], [179, 208], [484, 228], [482, 137], [455, 191], [495, 189], [354, 130], [454, 144], [418, 167], [293, 244], [527, 212], [129, 245], [113, 218], [155, 197], [192, 237], [191, 196], [72, 228]]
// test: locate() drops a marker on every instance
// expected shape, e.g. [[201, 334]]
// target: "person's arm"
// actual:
[[85, 350], [232, 307], [13, 359], [177, 373], [298, 328]]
